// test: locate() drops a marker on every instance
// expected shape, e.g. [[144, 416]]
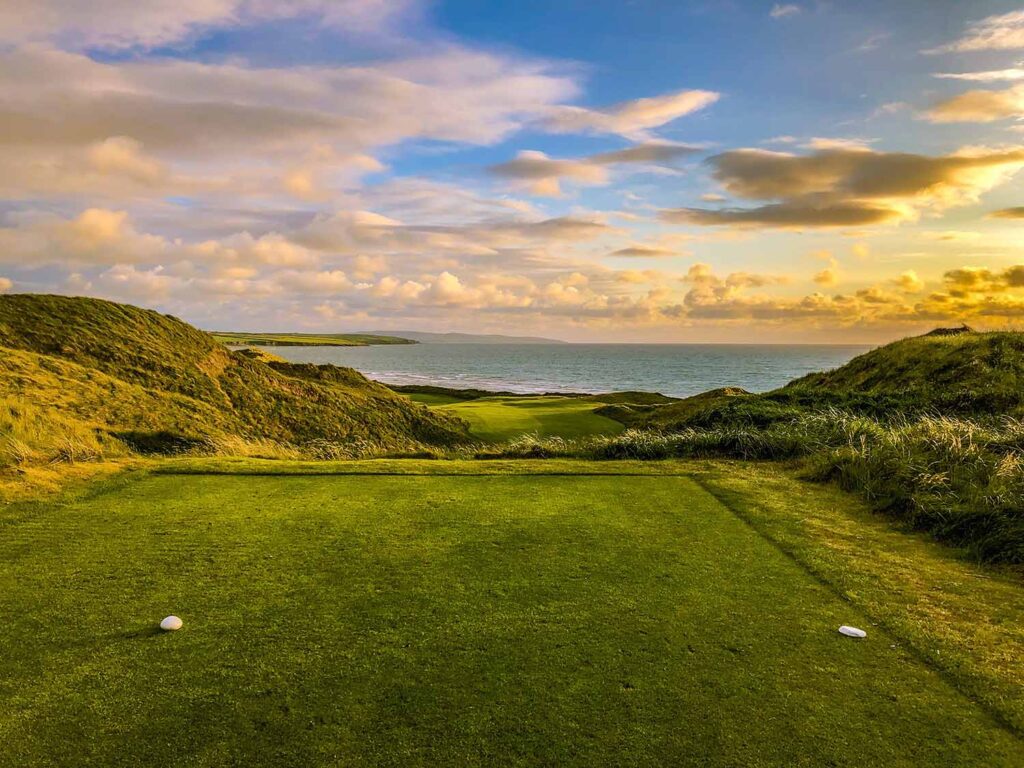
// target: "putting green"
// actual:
[[430, 398], [496, 419], [445, 620]]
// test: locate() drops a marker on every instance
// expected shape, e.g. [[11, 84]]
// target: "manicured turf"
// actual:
[[429, 398], [446, 620], [496, 419]]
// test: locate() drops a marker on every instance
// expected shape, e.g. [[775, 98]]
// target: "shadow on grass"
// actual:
[[150, 630]]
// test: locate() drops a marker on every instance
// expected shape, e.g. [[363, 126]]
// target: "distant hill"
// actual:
[[306, 339], [153, 382], [466, 338]]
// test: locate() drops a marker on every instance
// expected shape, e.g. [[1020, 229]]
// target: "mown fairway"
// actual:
[[445, 620], [496, 419]]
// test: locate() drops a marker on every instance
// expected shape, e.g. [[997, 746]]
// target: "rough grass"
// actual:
[[31, 435], [962, 618], [160, 385], [454, 620], [957, 374], [958, 479], [927, 429], [684, 411]]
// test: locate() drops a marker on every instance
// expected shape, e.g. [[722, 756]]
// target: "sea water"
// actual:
[[673, 369]]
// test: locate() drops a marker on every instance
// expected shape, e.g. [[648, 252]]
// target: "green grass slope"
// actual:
[[500, 416], [156, 382], [682, 412], [961, 372], [581, 620], [497, 419]]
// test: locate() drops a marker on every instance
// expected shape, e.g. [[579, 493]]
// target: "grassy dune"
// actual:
[[437, 618], [967, 372], [104, 377]]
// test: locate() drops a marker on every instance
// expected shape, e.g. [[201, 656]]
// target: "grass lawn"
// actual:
[[448, 616], [430, 398], [496, 419]]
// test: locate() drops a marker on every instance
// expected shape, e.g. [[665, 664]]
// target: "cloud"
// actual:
[[631, 119], [308, 180], [704, 280], [137, 122], [979, 106], [889, 108], [989, 76], [651, 152], [122, 156], [909, 282], [847, 187], [119, 24], [873, 42], [1008, 213], [362, 235], [993, 33], [5, 285], [974, 280], [819, 142], [95, 236], [319, 283], [827, 277], [643, 252], [542, 175], [786, 215], [102, 237], [273, 275], [560, 228], [782, 10]]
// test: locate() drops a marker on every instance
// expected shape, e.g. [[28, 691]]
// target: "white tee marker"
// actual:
[[170, 624], [849, 631]]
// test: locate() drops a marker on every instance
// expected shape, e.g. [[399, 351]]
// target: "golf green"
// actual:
[[496, 419], [449, 620]]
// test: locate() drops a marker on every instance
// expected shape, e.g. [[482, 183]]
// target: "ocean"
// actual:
[[678, 370]]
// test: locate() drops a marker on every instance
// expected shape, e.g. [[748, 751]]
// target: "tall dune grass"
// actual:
[[31, 435]]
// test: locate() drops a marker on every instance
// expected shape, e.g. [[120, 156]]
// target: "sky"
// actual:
[[590, 170]]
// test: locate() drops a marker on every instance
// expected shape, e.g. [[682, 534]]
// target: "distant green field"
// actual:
[[306, 339], [495, 419], [435, 618]]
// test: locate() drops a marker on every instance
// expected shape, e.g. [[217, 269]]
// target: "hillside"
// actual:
[[947, 371], [960, 371], [682, 412], [155, 383]]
